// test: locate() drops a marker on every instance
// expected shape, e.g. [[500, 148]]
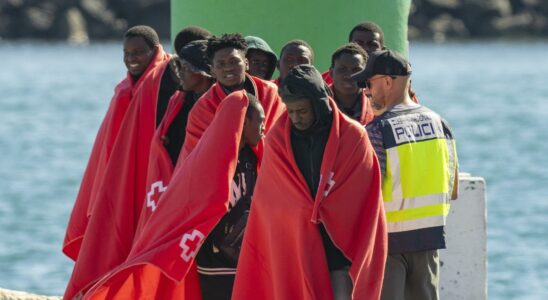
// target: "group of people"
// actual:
[[210, 180]]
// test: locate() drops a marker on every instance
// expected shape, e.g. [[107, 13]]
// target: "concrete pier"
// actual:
[[463, 274]]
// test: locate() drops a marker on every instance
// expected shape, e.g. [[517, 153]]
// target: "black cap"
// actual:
[[383, 62], [195, 53]]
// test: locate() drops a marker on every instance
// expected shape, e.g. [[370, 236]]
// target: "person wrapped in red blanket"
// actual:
[[350, 98], [228, 66], [118, 202], [161, 264], [166, 144], [142, 53], [316, 229]]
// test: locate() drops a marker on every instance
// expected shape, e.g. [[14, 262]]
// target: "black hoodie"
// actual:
[[304, 81]]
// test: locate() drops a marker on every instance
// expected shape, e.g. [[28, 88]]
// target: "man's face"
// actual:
[[369, 41], [301, 113], [253, 130], [190, 80], [377, 91], [229, 66], [259, 63], [346, 65], [292, 56], [137, 55]]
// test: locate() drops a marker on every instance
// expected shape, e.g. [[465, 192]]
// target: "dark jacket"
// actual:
[[308, 145]]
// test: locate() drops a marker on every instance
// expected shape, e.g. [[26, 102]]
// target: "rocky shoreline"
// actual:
[[79, 21], [462, 19]]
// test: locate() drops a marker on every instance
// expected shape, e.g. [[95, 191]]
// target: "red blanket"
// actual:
[[118, 201], [327, 77], [104, 141], [203, 111], [367, 114], [161, 262], [160, 166], [282, 254]]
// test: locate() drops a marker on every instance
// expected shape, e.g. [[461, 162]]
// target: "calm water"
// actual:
[[495, 95]]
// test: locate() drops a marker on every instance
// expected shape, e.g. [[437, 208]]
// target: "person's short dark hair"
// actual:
[[368, 27], [146, 32], [350, 48], [253, 105], [298, 43], [190, 34], [227, 40]]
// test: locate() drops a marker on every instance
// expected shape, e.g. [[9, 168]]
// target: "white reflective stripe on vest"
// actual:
[[414, 202], [394, 159], [421, 223]]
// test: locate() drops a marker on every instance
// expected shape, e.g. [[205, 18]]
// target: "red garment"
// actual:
[[118, 201], [102, 147], [367, 114], [160, 167], [203, 111], [327, 77], [282, 254], [161, 262]]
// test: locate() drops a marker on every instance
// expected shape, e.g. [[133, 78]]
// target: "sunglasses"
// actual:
[[368, 82]]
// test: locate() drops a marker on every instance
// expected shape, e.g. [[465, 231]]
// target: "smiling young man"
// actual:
[[317, 219], [228, 66], [142, 53], [350, 98], [140, 44], [122, 185], [418, 161]]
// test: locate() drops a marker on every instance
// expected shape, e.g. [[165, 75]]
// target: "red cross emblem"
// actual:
[[190, 243], [330, 184], [153, 196]]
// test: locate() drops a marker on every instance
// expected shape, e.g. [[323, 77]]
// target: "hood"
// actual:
[[256, 43], [304, 81]]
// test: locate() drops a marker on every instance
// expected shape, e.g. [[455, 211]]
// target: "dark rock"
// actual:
[[102, 22], [446, 26], [77, 27], [79, 20], [442, 19], [32, 19], [516, 25]]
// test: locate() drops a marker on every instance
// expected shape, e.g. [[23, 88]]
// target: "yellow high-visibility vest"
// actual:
[[421, 163]]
